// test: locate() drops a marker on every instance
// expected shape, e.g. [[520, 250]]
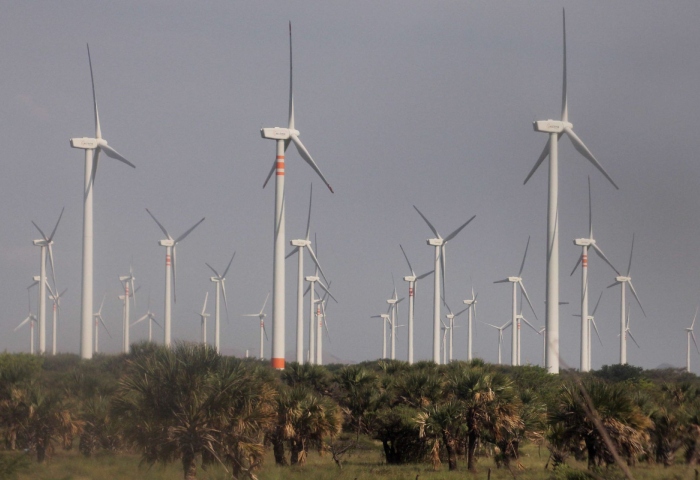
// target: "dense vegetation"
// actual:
[[191, 406]]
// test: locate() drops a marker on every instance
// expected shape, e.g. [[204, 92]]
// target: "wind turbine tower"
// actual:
[[412, 280], [220, 288]]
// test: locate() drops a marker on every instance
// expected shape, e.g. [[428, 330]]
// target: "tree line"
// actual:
[[191, 405]]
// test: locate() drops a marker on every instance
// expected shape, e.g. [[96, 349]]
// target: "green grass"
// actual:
[[361, 465]]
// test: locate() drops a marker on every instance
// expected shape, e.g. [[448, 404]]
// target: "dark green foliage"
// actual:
[[619, 373]]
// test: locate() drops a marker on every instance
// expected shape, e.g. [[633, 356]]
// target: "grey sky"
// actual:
[[400, 103]]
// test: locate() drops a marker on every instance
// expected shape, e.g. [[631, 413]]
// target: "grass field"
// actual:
[[361, 465]]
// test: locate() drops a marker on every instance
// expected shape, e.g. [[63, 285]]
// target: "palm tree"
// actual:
[[624, 422], [444, 422], [307, 375], [358, 390], [190, 403]]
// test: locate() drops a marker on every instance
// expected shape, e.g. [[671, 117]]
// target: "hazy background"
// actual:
[[400, 103]]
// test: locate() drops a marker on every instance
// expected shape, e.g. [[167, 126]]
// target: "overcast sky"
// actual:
[[400, 103]]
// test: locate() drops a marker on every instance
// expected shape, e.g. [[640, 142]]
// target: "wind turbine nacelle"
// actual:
[[275, 133], [299, 243], [166, 243], [550, 126], [435, 242], [36, 278], [40, 243], [581, 242], [622, 279], [84, 143], [214, 279], [514, 279], [124, 278], [410, 278], [391, 301], [311, 279]]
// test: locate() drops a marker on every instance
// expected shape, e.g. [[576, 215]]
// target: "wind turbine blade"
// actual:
[[462, 311], [407, 261], [613, 284], [578, 262], [307, 289], [101, 304], [53, 270], [308, 219], [264, 330], [51, 292], [323, 287], [265, 303], [543, 155], [315, 259], [695, 317], [325, 325], [307, 157], [600, 253], [529, 324], [564, 102], [502, 281], [635, 341], [629, 265], [590, 210], [430, 225], [454, 234], [115, 155], [134, 290], [291, 97], [424, 275], [692, 334], [105, 326], [156, 322], [269, 175], [182, 237], [522, 264], [251, 315], [98, 132], [444, 267], [140, 320], [522, 288], [634, 292], [162, 228], [204, 307], [213, 270], [223, 290], [33, 283], [296, 250], [40, 230], [490, 325], [229, 265], [22, 323], [595, 327], [597, 303], [583, 150]]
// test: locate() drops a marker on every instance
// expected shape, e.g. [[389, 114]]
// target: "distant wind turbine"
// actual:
[[500, 336], [203, 317], [472, 316], [691, 334], [412, 280], [261, 316], [100, 321], [220, 288], [56, 306]]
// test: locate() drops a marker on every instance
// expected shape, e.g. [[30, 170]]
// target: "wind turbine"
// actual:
[[151, 319], [56, 306], [542, 331], [92, 147], [444, 329], [412, 280], [127, 281], [45, 244], [385, 318], [591, 321], [585, 243], [283, 136], [99, 320], [555, 129], [500, 336], [393, 308], [439, 243], [170, 249], [261, 316], [322, 323], [628, 332], [220, 288], [203, 317], [451, 317], [624, 280], [520, 318], [313, 280], [31, 318], [517, 281], [301, 244], [472, 315], [691, 334]]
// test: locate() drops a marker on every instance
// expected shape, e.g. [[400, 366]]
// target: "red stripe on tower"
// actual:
[[167, 260], [584, 261]]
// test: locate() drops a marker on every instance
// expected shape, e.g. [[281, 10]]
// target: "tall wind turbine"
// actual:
[[220, 288], [261, 316], [439, 243], [283, 136], [92, 147], [517, 281], [691, 334], [471, 302], [150, 316], [385, 318], [555, 129], [500, 336], [623, 281], [203, 317], [99, 320], [129, 292], [412, 280], [45, 244], [170, 249], [56, 299], [585, 243], [301, 244], [591, 321]]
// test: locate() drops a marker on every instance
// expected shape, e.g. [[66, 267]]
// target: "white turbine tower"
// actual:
[[219, 280], [623, 281], [45, 244], [56, 299], [99, 320], [203, 317], [471, 302], [92, 147], [322, 324], [313, 280], [31, 318], [520, 318], [627, 331], [385, 318], [517, 281], [412, 280], [451, 317], [301, 244], [691, 334], [591, 321], [585, 243], [500, 336], [129, 292], [150, 316], [439, 243], [393, 308], [170, 249], [555, 129], [261, 316], [283, 136]]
